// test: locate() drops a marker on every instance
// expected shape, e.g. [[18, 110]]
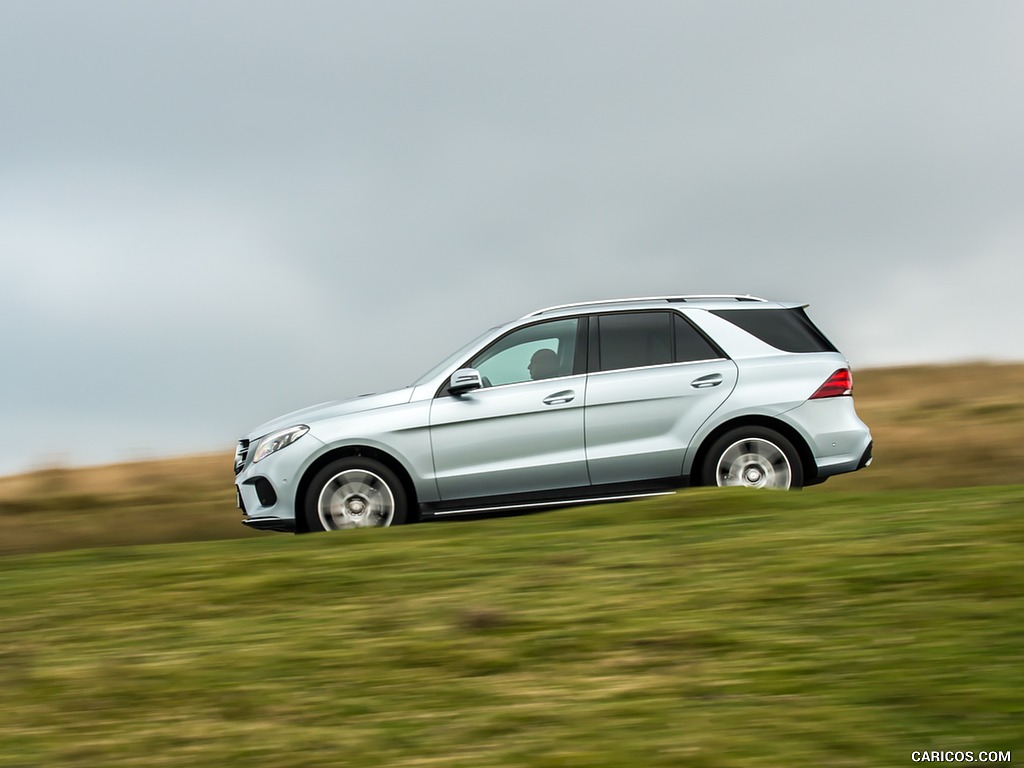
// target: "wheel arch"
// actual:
[[809, 465], [346, 452]]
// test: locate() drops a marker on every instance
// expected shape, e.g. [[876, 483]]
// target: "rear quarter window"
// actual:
[[790, 330]]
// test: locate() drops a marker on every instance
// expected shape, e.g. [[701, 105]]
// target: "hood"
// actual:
[[331, 409]]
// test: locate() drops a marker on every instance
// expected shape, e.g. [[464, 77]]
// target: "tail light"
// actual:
[[838, 384]]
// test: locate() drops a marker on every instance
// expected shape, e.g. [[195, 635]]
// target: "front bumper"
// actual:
[[265, 492], [270, 524]]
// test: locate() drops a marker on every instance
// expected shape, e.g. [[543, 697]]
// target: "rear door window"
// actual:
[[634, 339], [641, 339]]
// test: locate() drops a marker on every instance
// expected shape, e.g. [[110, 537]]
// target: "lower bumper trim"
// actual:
[[866, 459], [270, 524]]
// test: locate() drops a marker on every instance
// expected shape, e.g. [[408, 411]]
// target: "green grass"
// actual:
[[713, 629]]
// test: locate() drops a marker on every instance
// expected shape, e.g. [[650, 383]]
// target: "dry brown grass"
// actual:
[[941, 426], [208, 472], [179, 499], [934, 426]]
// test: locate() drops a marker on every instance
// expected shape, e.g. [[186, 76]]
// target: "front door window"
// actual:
[[541, 351]]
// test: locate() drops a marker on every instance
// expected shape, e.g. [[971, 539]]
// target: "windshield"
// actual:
[[452, 358]]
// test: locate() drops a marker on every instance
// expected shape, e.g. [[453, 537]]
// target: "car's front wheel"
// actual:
[[753, 457], [355, 492]]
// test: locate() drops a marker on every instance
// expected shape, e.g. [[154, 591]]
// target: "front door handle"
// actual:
[[704, 382], [565, 396]]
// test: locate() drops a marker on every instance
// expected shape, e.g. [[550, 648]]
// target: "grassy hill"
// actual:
[[848, 625], [934, 427], [714, 629]]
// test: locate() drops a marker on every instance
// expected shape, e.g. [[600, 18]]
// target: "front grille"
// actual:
[[241, 452]]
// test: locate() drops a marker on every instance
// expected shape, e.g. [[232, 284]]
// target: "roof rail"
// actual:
[[689, 297]]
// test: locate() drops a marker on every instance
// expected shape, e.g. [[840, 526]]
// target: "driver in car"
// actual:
[[543, 364]]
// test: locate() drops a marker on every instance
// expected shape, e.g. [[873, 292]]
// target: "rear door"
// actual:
[[654, 380]]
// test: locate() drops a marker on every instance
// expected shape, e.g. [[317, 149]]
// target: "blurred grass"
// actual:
[[713, 629], [941, 426], [847, 625], [183, 499]]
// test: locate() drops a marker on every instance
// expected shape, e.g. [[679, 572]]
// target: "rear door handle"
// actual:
[[704, 382], [565, 396]]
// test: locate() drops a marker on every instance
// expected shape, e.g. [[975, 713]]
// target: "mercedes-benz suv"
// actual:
[[597, 401]]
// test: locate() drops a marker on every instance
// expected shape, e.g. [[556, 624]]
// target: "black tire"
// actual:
[[355, 492], [754, 457]]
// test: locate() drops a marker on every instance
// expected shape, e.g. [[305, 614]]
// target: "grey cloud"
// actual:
[[212, 213]]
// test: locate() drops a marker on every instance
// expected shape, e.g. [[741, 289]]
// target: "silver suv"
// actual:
[[599, 401]]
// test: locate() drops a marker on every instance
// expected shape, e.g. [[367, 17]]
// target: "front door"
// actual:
[[523, 431]]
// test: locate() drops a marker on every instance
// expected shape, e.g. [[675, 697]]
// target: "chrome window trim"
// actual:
[[521, 383], [599, 373], [659, 365]]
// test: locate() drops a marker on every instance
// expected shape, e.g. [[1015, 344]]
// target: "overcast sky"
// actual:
[[214, 212]]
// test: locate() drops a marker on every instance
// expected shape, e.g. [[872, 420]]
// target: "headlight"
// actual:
[[278, 440]]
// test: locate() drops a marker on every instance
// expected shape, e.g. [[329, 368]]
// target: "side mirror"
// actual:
[[464, 380]]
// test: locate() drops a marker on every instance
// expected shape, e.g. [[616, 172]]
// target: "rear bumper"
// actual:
[[838, 440], [867, 458]]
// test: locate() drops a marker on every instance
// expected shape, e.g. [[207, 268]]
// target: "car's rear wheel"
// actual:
[[753, 457], [355, 492]]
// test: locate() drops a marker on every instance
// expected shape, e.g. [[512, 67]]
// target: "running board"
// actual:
[[549, 504]]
